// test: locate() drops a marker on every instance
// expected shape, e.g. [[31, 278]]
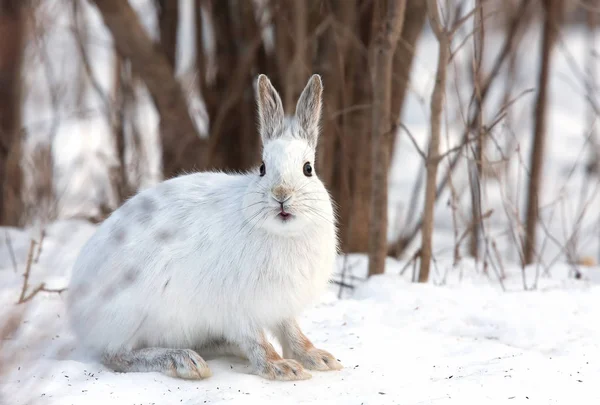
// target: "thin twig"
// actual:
[[27, 271], [343, 275], [39, 251], [474, 223], [24, 297], [342, 284], [413, 140], [414, 258]]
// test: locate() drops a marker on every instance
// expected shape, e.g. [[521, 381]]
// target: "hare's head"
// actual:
[[286, 196]]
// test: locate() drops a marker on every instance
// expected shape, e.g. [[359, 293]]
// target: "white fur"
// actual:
[[204, 256]]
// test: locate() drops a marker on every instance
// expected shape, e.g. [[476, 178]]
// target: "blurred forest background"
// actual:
[[443, 152]]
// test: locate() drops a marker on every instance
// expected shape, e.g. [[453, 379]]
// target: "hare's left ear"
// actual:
[[308, 109]]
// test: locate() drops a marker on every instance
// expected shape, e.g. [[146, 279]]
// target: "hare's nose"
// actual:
[[281, 193]]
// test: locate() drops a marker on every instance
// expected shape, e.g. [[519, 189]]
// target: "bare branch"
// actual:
[[31, 259], [413, 140], [27, 271], [474, 223]]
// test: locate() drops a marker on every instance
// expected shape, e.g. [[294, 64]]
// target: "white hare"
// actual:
[[215, 260]]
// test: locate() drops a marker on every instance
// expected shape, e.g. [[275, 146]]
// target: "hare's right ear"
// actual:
[[270, 109]]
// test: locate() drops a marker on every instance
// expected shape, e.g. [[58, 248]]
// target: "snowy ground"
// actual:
[[458, 338]]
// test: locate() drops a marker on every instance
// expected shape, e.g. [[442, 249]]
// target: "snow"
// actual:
[[508, 335], [458, 338]]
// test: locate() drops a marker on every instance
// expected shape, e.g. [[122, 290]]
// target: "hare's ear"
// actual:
[[308, 109], [270, 109]]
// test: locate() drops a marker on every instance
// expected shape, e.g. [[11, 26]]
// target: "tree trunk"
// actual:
[[476, 166], [229, 98], [120, 178], [331, 55], [593, 163], [168, 22], [344, 161], [357, 160], [298, 66], [12, 32], [414, 20], [433, 158], [382, 135], [551, 18], [183, 149]]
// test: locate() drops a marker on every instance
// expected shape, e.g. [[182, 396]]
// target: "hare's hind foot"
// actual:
[[284, 370], [317, 359], [267, 363], [297, 346], [178, 363]]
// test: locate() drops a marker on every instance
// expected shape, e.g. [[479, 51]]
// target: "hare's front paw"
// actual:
[[317, 359], [188, 364], [284, 370]]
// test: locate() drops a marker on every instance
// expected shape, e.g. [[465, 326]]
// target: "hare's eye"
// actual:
[[308, 170], [262, 169]]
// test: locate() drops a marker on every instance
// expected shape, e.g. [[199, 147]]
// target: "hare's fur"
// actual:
[[205, 258]]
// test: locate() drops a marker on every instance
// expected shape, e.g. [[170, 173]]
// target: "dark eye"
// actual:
[[262, 169], [308, 169]]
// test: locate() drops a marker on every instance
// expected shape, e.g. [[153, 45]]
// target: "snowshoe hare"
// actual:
[[215, 260]]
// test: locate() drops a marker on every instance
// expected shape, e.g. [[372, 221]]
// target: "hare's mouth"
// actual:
[[284, 216]]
